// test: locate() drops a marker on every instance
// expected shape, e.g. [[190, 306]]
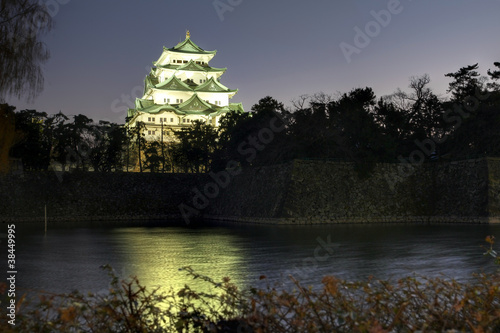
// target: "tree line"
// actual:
[[414, 126], [40, 141]]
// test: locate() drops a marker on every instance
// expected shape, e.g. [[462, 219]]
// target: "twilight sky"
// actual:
[[101, 50]]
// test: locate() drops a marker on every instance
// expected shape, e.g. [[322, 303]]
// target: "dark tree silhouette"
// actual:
[[356, 134], [7, 135], [495, 76], [254, 138], [466, 82], [477, 116], [22, 24], [414, 116], [153, 158], [195, 147], [136, 136], [33, 146], [107, 146]]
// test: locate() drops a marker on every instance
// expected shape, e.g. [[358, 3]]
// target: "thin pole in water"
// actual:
[[45, 218]]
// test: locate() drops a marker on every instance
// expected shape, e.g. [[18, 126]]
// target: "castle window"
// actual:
[[149, 132], [183, 120], [171, 120]]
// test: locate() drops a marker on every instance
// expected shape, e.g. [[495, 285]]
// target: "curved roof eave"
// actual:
[[214, 52], [158, 108], [188, 45], [177, 82], [215, 84]]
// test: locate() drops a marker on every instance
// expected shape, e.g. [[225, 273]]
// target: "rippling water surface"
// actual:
[[69, 258]]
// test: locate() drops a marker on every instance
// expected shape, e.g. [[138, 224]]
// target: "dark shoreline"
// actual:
[[227, 221]]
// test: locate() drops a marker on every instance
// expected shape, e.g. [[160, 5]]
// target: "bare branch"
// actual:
[[22, 24]]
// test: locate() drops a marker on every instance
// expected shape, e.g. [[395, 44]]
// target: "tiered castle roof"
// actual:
[[171, 75]]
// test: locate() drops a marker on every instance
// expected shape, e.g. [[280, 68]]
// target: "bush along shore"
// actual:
[[411, 304]]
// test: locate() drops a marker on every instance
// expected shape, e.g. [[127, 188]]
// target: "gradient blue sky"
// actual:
[[100, 49]]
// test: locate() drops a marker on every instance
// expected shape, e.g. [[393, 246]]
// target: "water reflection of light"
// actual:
[[156, 258], [68, 259]]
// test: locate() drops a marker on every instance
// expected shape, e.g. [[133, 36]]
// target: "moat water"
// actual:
[[69, 258]]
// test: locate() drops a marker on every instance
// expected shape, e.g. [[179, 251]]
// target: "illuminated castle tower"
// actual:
[[180, 89]]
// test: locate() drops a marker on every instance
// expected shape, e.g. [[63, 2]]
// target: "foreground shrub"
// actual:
[[411, 304], [408, 305]]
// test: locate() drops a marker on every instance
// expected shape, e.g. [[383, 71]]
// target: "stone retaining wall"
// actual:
[[316, 192], [299, 192], [494, 188], [94, 196]]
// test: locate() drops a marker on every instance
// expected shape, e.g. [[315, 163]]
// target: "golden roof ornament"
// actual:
[[188, 34]]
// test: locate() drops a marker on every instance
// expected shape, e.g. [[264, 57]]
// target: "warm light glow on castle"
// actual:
[[182, 88]]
